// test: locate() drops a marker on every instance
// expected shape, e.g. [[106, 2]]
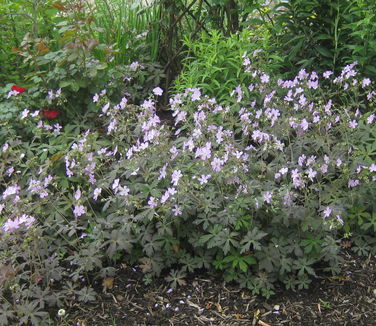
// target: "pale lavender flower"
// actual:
[[165, 197], [172, 191], [304, 124], [123, 191], [196, 95], [204, 179], [204, 152], [256, 52], [57, 129], [353, 124], [11, 190], [50, 94], [12, 225], [327, 212], [265, 78], [267, 197], [105, 108], [9, 171], [77, 194], [174, 152], [339, 162], [353, 183], [176, 175], [112, 126], [34, 114], [313, 84], [190, 144], [79, 210], [366, 82], [5, 147], [372, 168], [311, 160], [324, 168], [177, 210], [95, 98], [24, 114], [152, 202], [115, 185], [216, 164], [97, 192], [12, 93], [301, 159], [158, 91], [311, 174], [370, 118], [162, 172]]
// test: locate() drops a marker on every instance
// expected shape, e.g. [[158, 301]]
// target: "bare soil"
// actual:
[[345, 299]]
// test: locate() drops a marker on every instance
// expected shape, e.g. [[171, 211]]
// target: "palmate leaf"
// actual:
[[6, 314], [251, 239], [86, 294]]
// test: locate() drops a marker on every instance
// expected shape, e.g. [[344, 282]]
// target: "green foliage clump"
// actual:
[[324, 35], [213, 63]]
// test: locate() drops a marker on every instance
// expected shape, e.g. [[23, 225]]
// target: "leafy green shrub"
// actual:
[[324, 35], [213, 63], [18, 17], [260, 191], [131, 28]]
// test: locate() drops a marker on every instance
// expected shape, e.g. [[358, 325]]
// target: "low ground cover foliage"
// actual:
[[261, 190]]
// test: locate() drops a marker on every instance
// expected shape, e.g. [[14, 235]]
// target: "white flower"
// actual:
[[61, 313]]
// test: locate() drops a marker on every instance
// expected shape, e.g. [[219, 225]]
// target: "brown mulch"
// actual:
[[346, 299]]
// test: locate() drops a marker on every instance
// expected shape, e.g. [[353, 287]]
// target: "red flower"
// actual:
[[50, 114], [18, 89]]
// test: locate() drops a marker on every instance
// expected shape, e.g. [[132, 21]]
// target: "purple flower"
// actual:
[[176, 175], [12, 225], [172, 191], [353, 183], [216, 164], [372, 168], [79, 210], [77, 194], [196, 95], [177, 210], [264, 78], [204, 179], [204, 152], [267, 197], [97, 192], [311, 174], [158, 91], [327, 74], [370, 118], [353, 124], [327, 211], [324, 168], [162, 173], [152, 202], [304, 124], [11, 190]]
